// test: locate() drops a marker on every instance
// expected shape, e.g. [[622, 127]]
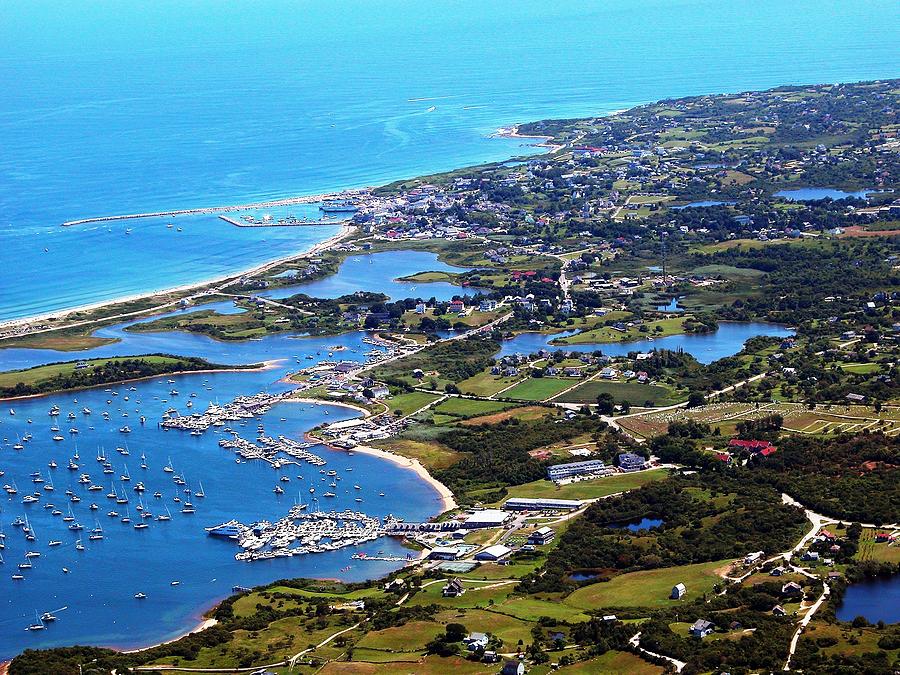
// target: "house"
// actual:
[[810, 556], [751, 558], [678, 591], [792, 588], [420, 308], [487, 305], [778, 610], [490, 656], [541, 536], [701, 628], [475, 641], [493, 553], [453, 589], [776, 571], [513, 668], [456, 306]]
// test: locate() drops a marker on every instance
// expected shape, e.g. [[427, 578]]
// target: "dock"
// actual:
[[282, 223]]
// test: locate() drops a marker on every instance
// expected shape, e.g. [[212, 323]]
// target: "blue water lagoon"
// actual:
[[729, 339]]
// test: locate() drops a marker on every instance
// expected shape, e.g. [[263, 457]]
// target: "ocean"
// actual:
[[167, 104]]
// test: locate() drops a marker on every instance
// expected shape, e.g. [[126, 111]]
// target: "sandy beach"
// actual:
[[203, 625], [316, 249]]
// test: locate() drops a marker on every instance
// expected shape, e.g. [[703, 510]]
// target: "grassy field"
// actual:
[[485, 384], [636, 394], [650, 588], [588, 489], [432, 454], [463, 407], [612, 663], [538, 388], [412, 636], [410, 402], [63, 341]]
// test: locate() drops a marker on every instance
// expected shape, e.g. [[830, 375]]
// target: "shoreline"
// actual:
[[315, 249], [266, 365], [448, 501], [203, 625]]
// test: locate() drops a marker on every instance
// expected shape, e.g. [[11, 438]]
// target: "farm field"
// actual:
[[869, 549], [485, 384], [612, 663], [462, 407], [538, 388]]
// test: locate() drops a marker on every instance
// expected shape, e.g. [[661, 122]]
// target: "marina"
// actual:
[[98, 569]]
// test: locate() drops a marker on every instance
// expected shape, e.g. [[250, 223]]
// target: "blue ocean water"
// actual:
[[99, 587], [164, 104]]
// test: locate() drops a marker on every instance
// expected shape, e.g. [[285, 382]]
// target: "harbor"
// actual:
[[92, 572]]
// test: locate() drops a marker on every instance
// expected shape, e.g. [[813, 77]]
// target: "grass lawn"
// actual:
[[507, 628], [636, 394], [649, 588], [410, 402], [612, 663], [463, 407], [367, 655], [411, 636], [588, 489], [531, 609], [476, 595], [538, 388]]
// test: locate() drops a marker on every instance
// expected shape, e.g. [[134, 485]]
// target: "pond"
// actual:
[[635, 525], [671, 307], [728, 340], [876, 599], [583, 576], [699, 204], [810, 194], [379, 273]]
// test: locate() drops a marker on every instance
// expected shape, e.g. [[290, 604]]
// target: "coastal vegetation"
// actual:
[[68, 375]]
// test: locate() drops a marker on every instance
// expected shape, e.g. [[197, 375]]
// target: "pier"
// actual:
[[285, 222], [270, 448], [288, 201]]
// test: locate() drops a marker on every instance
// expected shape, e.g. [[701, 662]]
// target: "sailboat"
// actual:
[[127, 517], [200, 493], [167, 516], [38, 624]]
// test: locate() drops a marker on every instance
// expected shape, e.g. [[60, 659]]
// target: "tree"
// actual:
[[606, 404], [696, 399], [456, 632]]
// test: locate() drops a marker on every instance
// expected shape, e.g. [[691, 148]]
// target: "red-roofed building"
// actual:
[[723, 457], [749, 445], [771, 450]]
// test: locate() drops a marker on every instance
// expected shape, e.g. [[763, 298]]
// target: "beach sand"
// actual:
[[448, 503], [316, 249]]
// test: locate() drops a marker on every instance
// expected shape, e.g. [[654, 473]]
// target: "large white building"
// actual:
[[589, 467], [544, 504], [486, 518]]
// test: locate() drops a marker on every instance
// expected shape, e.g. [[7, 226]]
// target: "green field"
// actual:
[[612, 663], [408, 403], [648, 588], [485, 384], [588, 489], [538, 388], [462, 407], [658, 328], [636, 394]]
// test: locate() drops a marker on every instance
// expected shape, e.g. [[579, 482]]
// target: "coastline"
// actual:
[[203, 625], [346, 230], [448, 502]]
